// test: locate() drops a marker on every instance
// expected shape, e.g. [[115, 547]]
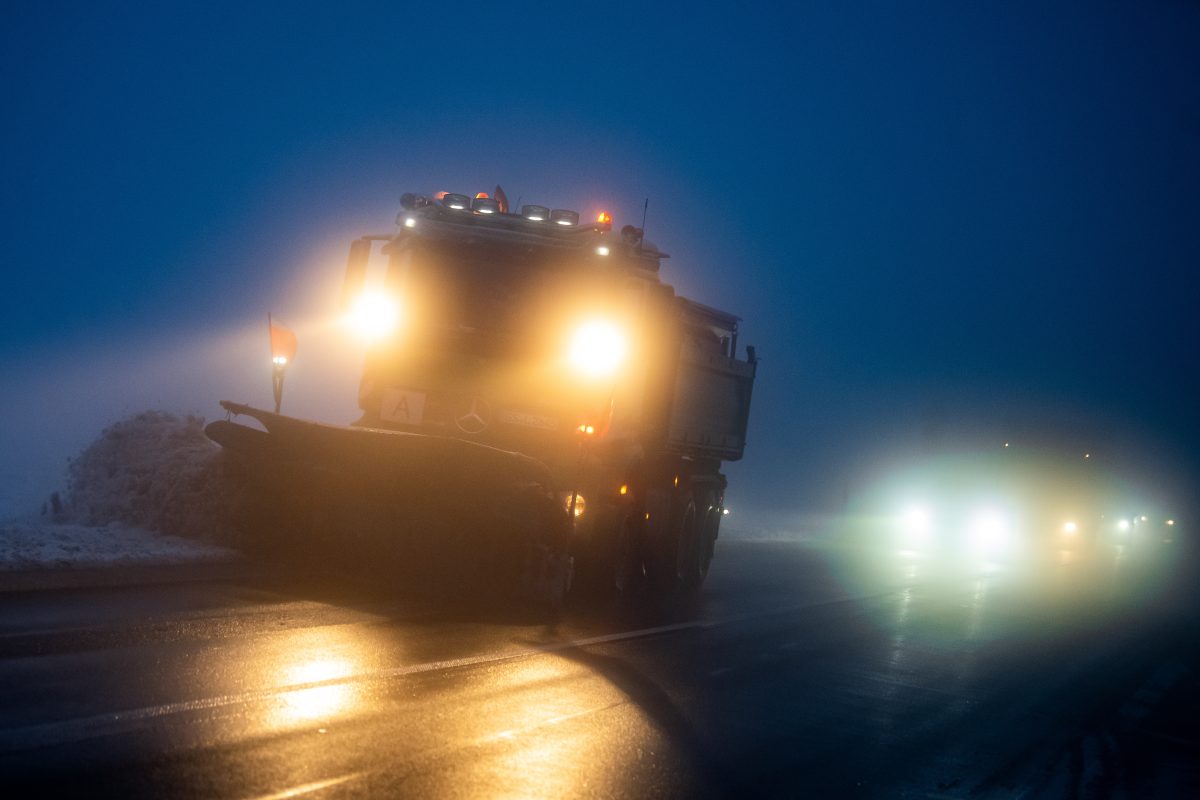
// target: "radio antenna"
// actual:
[[645, 208]]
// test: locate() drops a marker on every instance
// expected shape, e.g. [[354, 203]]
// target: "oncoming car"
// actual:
[[1001, 508]]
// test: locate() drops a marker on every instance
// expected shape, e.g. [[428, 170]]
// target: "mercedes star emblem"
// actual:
[[475, 419]]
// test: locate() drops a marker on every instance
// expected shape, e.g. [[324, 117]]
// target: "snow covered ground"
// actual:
[[149, 490], [39, 544]]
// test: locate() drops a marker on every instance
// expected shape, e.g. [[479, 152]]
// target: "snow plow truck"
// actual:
[[539, 410]]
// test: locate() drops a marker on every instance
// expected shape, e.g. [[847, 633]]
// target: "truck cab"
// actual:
[[535, 333]]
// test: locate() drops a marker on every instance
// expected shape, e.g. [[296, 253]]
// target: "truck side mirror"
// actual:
[[356, 271]]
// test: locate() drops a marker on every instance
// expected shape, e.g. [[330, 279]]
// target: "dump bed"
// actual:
[[710, 404]]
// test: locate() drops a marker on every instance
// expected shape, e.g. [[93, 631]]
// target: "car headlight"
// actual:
[[597, 349], [989, 533], [916, 526], [374, 315]]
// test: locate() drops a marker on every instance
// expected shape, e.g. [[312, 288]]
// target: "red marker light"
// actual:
[[481, 195]]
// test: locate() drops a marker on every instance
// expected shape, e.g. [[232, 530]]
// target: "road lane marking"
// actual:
[[110, 723], [513, 733], [82, 728], [309, 788]]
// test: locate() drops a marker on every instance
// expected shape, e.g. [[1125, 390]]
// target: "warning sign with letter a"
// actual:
[[402, 405]]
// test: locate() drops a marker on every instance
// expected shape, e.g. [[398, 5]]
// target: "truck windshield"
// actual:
[[491, 298]]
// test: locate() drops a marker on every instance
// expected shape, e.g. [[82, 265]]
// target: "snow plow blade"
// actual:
[[442, 514], [424, 458]]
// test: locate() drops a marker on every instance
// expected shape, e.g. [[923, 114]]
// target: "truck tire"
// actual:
[[677, 551], [627, 565], [707, 526]]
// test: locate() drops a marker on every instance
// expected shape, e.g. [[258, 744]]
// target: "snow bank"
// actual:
[[149, 489], [153, 470]]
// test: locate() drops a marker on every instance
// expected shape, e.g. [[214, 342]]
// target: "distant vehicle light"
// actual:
[[374, 316], [602, 250], [1070, 528], [917, 519], [597, 349], [916, 524], [1123, 525], [564, 217], [989, 533], [535, 213], [279, 361], [1170, 522], [1143, 518]]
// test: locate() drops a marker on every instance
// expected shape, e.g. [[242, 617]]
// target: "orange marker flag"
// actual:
[[283, 342], [283, 350]]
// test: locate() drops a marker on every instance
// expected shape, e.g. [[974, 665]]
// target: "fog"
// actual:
[[58, 398]]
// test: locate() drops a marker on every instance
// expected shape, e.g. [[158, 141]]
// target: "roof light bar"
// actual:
[[563, 217], [458, 202], [535, 213], [485, 205]]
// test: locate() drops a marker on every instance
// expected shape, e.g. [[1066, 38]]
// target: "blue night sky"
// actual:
[[968, 220]]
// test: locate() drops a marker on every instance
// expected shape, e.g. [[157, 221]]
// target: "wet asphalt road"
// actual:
[[811, 667]]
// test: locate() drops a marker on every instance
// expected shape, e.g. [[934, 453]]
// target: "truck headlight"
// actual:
[[597, 349], [374, 315]]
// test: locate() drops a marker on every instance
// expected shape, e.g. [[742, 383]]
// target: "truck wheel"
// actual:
[[628, 570], [677, 552], [708, 524]]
